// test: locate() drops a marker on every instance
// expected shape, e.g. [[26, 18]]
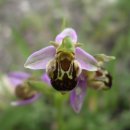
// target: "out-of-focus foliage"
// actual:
[[103, 26]]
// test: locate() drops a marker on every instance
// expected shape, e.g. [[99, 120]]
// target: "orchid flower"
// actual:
[[68, 67], [21, 89]]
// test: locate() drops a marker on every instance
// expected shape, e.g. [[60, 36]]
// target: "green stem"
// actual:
[[60, 117], [59, 103], [40, 87], [64, 23]]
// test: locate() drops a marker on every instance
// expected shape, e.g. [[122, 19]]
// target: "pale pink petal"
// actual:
[[87, 61], [46, 79], [78, 95], [39, 59], [25, 102], [66, 32], [17, 78]]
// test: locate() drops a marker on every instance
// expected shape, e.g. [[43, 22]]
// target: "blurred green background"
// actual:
[[102, 25]]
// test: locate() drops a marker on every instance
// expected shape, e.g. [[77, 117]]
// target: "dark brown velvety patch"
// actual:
[[98, 73], [65, 64], [66, 84], [109, 83]]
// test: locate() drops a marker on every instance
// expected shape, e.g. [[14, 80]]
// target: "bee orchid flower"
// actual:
[[67, 66], [21, 89]]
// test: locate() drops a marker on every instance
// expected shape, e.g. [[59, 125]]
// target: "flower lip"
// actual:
[[66, 32]]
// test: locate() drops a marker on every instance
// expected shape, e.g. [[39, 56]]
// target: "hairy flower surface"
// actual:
[[70, 68]]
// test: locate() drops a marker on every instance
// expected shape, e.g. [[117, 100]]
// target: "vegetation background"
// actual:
[[102, 25]]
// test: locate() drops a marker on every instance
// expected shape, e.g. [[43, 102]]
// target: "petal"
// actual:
[[46, 79], [78, 94], [39, 59], [66, 32], [87, 61], [25, 102], [17, 78]]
